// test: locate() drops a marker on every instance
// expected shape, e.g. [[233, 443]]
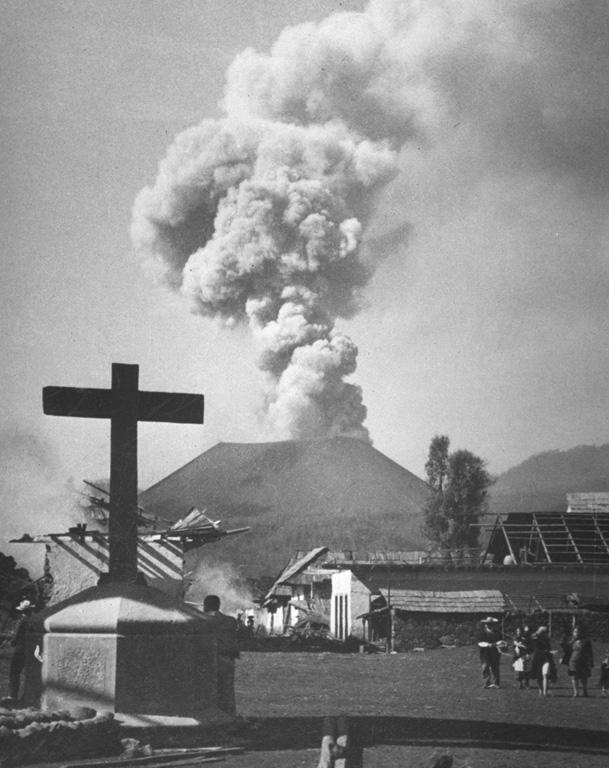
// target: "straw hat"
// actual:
[[490, 620]]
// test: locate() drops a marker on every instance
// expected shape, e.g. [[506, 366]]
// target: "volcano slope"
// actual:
[[338, 492]]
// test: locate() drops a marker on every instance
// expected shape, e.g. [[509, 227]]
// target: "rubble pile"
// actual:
[[30, 736]]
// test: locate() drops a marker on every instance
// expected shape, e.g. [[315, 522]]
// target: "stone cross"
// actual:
[[124, 405]]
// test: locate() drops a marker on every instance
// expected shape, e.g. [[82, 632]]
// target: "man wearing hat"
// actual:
[[489, 641], [25, 609]]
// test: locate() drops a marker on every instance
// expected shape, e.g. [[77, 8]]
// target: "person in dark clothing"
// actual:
[[228, 652], [580, 660], [489, 641], [543, 668], [604, 676], [25, 609], [522, 658]]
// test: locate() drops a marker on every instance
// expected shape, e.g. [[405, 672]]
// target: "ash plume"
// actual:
[[258, 217], [494, 113]]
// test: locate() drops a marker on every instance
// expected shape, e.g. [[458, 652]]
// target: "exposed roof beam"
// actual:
[[540, 534], [572, 540], [601, 535], [509, 543]]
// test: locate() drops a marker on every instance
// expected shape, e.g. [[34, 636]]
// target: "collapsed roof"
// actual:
[[550, 537]]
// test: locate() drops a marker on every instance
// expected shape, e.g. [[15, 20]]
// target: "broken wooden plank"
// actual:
[[169, 751], [165, 758]]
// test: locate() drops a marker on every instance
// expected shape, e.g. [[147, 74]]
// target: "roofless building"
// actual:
[[578, 536]]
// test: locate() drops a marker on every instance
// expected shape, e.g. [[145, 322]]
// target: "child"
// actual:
[[522, 660], [604, 681]]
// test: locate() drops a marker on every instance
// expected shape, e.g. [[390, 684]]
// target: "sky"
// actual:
[[475, 139]]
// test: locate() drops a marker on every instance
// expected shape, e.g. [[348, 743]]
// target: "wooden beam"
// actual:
[[601, 535], [490, 538], [540, 534], [572, 540], [509, 544]]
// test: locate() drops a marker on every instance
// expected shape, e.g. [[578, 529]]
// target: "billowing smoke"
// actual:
[[496, 113], [218, 579], [33, 496], [258, 217]]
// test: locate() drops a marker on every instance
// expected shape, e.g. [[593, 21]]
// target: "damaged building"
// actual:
[[537, 563], [166, 553]]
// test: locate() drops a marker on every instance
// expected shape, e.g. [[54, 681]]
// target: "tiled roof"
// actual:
[[294, 568], [361, 557], [471, 601], [588, 502]]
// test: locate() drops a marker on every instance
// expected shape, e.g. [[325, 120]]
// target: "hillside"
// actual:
[[542, 481], [338, 492]]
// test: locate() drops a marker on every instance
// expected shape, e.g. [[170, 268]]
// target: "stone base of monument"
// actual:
[[131, 650]]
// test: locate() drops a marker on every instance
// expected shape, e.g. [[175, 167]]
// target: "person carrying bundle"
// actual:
[[490, 641]]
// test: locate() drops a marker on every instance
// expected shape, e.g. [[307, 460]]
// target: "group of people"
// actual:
[[533, 658]]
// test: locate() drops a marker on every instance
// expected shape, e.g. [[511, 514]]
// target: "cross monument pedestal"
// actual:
[[122, 646]]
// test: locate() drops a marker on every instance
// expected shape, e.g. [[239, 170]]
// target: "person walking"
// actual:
[[228, 652], [25, 610], [489, 640], [542, 660], [580, 660]]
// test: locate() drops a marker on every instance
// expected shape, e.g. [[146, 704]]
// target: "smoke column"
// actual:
[[495, 114], [33, 497], [258, 217]]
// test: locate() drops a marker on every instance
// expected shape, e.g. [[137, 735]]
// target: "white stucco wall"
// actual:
[[351, 597], [77, 565]]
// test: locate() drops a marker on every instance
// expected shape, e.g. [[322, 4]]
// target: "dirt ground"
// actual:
[[403, 707]]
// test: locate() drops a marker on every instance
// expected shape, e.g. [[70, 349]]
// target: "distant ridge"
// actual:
[[338, 492], [541, 483]]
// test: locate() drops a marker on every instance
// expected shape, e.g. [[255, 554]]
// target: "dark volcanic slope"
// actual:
[[543, 481], [338, 492]]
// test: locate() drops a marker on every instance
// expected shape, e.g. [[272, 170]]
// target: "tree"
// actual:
[[436, 524], [437, 462], [458, 497]]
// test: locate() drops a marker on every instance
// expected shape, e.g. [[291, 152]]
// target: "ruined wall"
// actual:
[[76, 565]]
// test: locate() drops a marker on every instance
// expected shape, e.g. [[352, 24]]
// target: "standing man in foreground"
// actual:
[[25, 609], [489, 641], [228, 651]]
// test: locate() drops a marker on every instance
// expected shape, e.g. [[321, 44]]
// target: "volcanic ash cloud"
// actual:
[[258, 217]]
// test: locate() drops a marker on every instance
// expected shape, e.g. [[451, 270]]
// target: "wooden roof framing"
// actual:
[[551, 537]]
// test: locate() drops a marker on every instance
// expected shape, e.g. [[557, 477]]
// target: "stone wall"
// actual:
[[428, 630], [425, 630]]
